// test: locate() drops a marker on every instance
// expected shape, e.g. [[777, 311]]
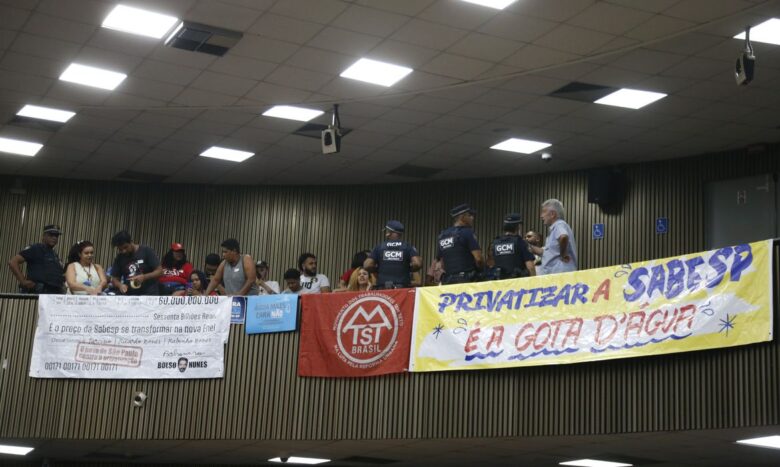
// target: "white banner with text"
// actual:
[[107, 337]]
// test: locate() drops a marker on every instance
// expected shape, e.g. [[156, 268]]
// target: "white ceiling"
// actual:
[[480, 76], [694, 448]]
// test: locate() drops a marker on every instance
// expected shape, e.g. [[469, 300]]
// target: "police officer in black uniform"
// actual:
[[459, 250], [509, 255], [44, 267], [393, 259]]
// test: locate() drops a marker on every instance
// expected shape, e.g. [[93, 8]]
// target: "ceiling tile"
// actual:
[[428, 34], [456, 66], [647, 61], [404, 7], [243, 67], [223, 84], [369, 21], [166, 72], [533, 57], [700, 11], [58, 28], [285, 29], [461, 15], [321, 11], [608, 18], [573, 40], [196, 97], [13, 18], [553, 10], [223, 15], [24, 83], [173, 56], [298, 78], [150, 88], [264, 49], [659, 26], [272, 94], [343, 41], [485, 47], [37, 66]]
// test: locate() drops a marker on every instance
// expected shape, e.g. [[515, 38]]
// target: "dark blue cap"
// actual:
[[394, 226], [460, 209], [53, 229], [513, 218]]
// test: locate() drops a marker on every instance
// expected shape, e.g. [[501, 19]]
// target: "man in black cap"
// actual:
[[44, 268], [509, 253], [459, 249], [393, 259]]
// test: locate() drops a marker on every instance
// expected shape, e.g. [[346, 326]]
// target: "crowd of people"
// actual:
[[393, 263]]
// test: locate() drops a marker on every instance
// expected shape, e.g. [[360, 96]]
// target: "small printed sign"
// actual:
[[598, 231], [661, 225]]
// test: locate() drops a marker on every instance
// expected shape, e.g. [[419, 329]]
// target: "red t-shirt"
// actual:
[[178, 276], [347, 274]]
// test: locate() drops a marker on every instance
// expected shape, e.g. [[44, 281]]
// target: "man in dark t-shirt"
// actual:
[[137, 264], [44, 267]]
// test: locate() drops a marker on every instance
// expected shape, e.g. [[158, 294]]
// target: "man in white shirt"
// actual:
[[560, 250], [264, 286], [311, 282]]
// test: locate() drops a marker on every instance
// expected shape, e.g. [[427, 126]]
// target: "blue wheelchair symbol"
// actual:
[[661, 225], [598, 231]]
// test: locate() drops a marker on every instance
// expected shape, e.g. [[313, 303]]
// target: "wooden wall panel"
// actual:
[[262, 398]]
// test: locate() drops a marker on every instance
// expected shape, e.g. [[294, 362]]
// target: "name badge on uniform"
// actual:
[[140, 261]]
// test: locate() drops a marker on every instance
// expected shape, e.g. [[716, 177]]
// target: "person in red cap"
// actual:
[[176, 270]]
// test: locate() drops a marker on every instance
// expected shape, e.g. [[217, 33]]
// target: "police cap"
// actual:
[[394, 226], [53, 229], [462, 209], [513, 218]]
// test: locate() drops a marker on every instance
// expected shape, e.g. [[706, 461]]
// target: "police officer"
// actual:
[[44, 267], [509, 253], [394, 259], [459, 250]]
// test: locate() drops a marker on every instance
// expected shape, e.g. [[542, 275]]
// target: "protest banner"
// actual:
[[271, 313], [719, 298], [355, 333], [238, 310], [106, 337]]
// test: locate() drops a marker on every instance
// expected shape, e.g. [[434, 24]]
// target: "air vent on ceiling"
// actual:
[[132, 176], [35, 123], [314, 130], [203, 38], [583, 92], [414, 171]]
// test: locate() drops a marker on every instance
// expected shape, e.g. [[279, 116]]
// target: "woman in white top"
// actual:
[[82, 276]]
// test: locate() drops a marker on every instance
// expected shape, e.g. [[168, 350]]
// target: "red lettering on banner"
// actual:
[[496, 338], [652, 325], [528, 339], [598, 338], [636, 321], [602, 290], [539, 346], [471, 342], [575, 328], [683, 316]]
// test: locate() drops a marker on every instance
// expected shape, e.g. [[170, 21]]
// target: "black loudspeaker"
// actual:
[[605, 186]]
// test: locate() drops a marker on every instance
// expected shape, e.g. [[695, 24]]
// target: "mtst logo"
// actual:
[[367, 330]]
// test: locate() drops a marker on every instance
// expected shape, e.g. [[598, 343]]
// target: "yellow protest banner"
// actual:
[[719, 298]]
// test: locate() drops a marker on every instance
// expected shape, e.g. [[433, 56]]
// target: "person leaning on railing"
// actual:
[[82, 275]]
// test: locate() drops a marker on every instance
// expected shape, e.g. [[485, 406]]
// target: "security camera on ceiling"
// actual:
[[331, 136], [746, 62]]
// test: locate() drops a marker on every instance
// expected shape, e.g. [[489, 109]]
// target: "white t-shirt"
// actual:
[[313, 284], [272, 284]]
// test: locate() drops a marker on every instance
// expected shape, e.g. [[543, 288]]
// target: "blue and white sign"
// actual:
[[271, 313], [661, 225], [598, 231], [238, 311]]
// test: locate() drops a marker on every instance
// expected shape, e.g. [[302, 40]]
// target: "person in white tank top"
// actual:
[[82, 275]]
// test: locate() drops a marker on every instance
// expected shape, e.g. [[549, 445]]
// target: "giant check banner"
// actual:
[[130, 337], [719, 298]]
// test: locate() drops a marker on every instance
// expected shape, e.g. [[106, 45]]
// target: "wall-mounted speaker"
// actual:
[[605, 186]]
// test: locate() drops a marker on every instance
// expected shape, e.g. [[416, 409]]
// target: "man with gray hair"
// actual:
[[560, 250]]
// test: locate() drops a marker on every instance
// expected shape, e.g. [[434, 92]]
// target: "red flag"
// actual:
[[356, 333]]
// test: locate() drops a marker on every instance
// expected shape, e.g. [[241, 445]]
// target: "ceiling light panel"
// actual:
[[19, 147], [141, 22], [299, 460], [497, 4], [523, 146], [595, 463], [15, 450], [630, 98], [376, 72], [292, 113], [45, 113], [767, 32], [92, 76], [765, 442], [233, 155]]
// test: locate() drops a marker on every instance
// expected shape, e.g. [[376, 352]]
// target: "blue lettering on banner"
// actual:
[[598, 231], [670, 279], [239, 310], [661, 225], [271, 313], [512, 300]]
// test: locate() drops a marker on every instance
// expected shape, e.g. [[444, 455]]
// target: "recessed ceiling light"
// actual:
[[767, 32], [22, 148], [91, 76], [232, 155], [45, 113], [595, 463], [630, 98], [137, 21], [15, 450], [497, 4], [292, 113], [523, 146], [765, 442], [376, 72], [299, 460]]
